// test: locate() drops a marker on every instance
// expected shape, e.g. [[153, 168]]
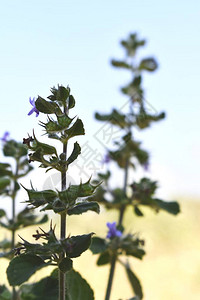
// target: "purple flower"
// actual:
[[5, 136], [34, 109], [146, 166], [106, 159], [113, 232]]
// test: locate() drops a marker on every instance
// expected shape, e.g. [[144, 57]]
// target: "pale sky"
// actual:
[[44, 43]]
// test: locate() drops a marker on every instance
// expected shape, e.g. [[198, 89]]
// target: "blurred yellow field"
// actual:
[[171, 268]]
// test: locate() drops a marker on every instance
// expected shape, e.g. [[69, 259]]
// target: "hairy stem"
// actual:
[[62, 285]]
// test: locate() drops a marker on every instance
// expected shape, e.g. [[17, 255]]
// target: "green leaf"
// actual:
[[76, 129], [120, 64], [137, 252], [98, 245], [71, 102], [4, 182], [75, 153], [148, 64], [171, 207], [4, 170], [14, 149], [65, 265], [45, 148], [134, 281], [61, 124], [46, 289], [84, 207], [104, 258], [21, 268], [115, 118], [2, 213], [132, 44], [77, 286], [76, 245], [73, 192], [46, 107], [37, 198], [5, 244], [138, 211], [5, 294]]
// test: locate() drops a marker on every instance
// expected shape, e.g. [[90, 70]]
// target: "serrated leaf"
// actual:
[[134, 281], [77, 286], [98, 245], [104, 258], [52, 126], [37, 198], [76, 129], [46, 107], [75, 153], [65, 265], [76, 245], [84, 207], [45, 148], [21, 268]]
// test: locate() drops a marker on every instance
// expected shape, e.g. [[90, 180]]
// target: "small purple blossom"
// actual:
[[5, 136], [34, 109], [106, 159], [146, 166], [113, 232]]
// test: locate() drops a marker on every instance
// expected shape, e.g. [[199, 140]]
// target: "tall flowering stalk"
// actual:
[[69, 200], [128, 154], [10, 176]]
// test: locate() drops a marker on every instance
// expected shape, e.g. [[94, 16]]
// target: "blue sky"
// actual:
[[44, 43]]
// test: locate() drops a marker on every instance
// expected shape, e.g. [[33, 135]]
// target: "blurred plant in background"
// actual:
[[128, 154], [10, 174]]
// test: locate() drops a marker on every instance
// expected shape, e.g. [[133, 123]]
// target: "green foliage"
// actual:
[[67, 200], [134, 281], [129, 245], [65, 265], [23, 267], [5, 294], [47, 288]]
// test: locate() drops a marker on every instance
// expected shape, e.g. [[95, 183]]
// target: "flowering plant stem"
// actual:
[[63, 215], [13, 196], [114, 258]]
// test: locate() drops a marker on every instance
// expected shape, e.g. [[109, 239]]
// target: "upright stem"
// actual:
[[122, 210], [13, 196], [110, 280], [114, 258], [62, 285]]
